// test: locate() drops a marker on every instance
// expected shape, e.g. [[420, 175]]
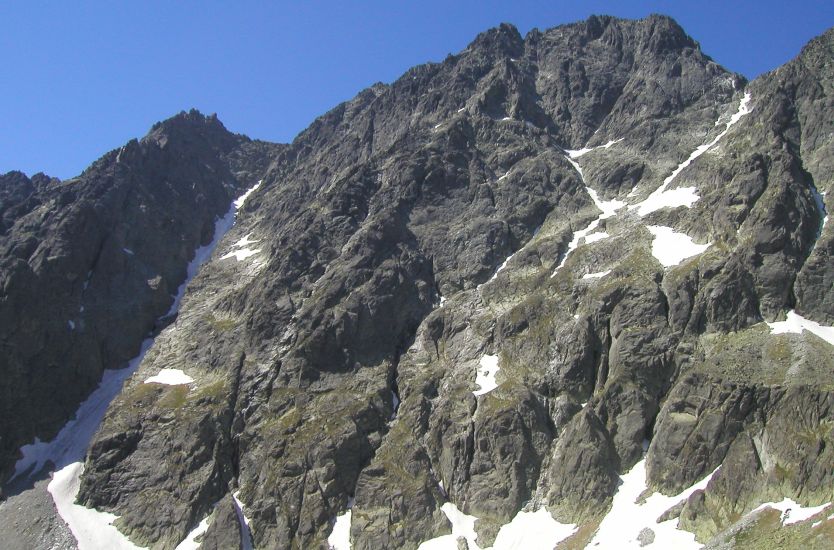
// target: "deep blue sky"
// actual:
[[80, 78]]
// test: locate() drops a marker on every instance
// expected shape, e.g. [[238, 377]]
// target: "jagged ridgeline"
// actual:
[[573, 287]]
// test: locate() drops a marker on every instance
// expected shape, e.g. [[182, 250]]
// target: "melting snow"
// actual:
[[796, 323], [238, 202], [793, 512], [170, 377], [594, 237], [671, 248], [686, 196], [202, 254], [532, 530], [596, 275], [485, 375], [190, 542], [623, 523], [245, 241], [527, 530], [241, 255], [244, 523], [92, 529], [462, 526], [339, 538]]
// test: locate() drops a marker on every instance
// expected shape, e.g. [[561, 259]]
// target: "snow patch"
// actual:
[[71, 325], [576, 153], [339, 538], [796, 323], [485, 375], [623, 523], [463, 525], [504, 176], [532, 530], [244, 522], [594, 237], [241, 255], [793, 512], [238, 202], [190, 542], [128, 251], [596, 275], [671, 248], [92, 529], [686, 196], [245, 241], [170, 377]]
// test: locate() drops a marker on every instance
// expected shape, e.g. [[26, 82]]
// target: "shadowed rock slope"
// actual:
[[511, 203], [89, 264]]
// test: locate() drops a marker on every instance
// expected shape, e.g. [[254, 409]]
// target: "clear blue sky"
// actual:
[[80, 78]]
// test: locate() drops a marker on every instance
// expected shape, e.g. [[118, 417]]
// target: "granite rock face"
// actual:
[[507, 208]]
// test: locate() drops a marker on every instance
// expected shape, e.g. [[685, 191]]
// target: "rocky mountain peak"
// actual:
[[503, 40], [580, 277]]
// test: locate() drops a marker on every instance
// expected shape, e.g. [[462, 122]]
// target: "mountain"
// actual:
[[557, 286]]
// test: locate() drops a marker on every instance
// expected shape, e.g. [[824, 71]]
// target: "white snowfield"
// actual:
[[796, 323], [621, 526], [671, 248], [170, 377], [93, 530], [526, 531], [485, 375]]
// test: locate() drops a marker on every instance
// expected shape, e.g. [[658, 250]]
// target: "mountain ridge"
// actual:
[[332, 359]]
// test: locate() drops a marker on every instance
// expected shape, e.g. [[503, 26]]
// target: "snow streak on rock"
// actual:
[[93, 529], [608, 209], [245, 532], [686, 196]]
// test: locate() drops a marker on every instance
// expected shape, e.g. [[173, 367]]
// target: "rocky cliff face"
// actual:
[[88, 265], [500, 282]]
